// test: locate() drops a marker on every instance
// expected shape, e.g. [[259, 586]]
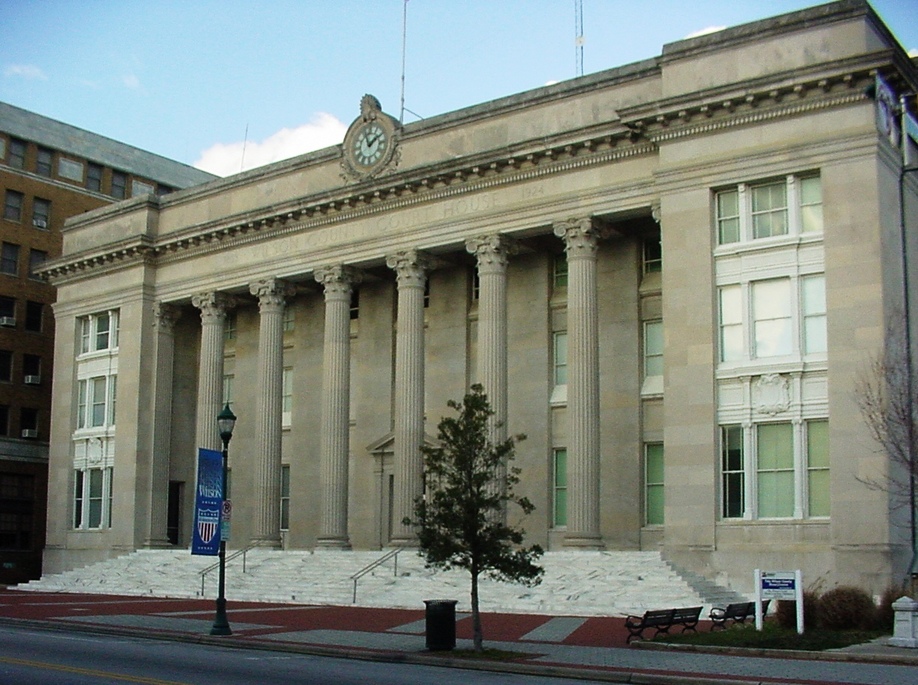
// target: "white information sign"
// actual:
[[777, 585]]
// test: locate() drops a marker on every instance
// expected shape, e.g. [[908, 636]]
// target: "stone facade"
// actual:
[[702, 404]]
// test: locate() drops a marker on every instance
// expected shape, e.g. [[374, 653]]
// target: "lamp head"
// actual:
[[226, 421]]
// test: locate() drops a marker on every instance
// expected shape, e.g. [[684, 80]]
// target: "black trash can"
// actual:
[[440, 624]]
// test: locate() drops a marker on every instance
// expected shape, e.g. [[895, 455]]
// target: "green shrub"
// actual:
[[885, 616], [846, 608], [786, 612]]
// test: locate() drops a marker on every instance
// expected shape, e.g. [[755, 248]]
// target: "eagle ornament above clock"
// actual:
[[371, 141]]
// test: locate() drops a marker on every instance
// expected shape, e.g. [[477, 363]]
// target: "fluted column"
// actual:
[[581, 238], [213, 308], [336, 390], [492, 253], [164, 318], [411, 272], [271, 294]]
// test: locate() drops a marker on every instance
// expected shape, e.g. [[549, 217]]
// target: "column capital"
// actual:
[[411, 267], [581, 236], [338, 279], [213, 305], [492, 250], [272, 291], [165, 315]]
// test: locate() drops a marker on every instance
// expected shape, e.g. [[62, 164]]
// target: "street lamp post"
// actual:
[[226, 421]]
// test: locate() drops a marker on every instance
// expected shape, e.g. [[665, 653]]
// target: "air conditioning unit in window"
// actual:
[[33, 380], [40, 223], [29, 433], [8, 321]]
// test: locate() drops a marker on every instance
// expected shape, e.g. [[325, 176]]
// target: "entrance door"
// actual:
[[174, 511]]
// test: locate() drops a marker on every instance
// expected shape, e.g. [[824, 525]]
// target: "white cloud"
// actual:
[[131, 81], [26, 71], [704, 32], [225, 159]]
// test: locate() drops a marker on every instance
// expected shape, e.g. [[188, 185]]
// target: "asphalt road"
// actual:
[[37, 657]]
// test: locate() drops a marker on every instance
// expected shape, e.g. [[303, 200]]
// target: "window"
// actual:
[[6, 366], [786, 316], [31, 367], [94, 177], [4, 419], [41, 213], [560, 357], [653, 348], [771, 324], [790, 474], [17, 153], [96, 402], [288, 320], [355, 305], [426, 293], [559, 271], [36, 259], [2, 149], [559, 487], [733, 472], [817, 464], [287, 396], [140, 188], [790, 206], [28, 419], [229, 326], [12, 207], [70, 169], [476, 285], [285, 498], [92, 498], [17, 492], [653, 256], [9, 259], [44, 161], [163, 190], [99, 332], [653, 484], [228, 383], [7, 311], [34, 317], [119, 185]]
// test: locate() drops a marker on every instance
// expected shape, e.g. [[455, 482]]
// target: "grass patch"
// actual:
[[774, 636]]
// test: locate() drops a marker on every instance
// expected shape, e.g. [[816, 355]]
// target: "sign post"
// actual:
[[778, 585]]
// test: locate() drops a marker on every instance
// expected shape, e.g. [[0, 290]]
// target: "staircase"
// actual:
[[575, 583]]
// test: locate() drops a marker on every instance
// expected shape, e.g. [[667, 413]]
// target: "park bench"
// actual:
[[737, 612], [661, 620]]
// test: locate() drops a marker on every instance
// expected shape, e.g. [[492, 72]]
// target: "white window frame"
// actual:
[[287, 396], [559, 367], [802, 217], [84, 518], [88, 402], [653, 358], [93, 326]]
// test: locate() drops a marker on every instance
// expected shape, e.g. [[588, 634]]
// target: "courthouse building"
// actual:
[[668, 275]]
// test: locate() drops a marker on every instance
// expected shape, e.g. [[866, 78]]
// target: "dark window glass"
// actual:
[[44, 161], [41, 213], [12, 206], [31, 365], [119, 185], [6, 366], [4, 419], [94, 177], [17, 153], [7, 307], [28, 418], [36, 259], [9, 259], [34, 316]]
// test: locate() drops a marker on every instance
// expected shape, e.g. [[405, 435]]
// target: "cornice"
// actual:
[[629, 133]]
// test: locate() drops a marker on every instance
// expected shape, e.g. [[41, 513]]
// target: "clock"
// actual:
[[370, 142], [370, 145]]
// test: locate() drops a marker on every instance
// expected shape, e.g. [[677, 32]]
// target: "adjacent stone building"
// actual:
[[49, 171], [668, 275]]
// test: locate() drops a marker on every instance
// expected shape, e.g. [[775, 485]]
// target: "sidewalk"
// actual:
[[586, 647]]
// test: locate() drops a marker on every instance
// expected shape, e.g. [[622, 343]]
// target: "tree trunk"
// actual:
[[476, 615]]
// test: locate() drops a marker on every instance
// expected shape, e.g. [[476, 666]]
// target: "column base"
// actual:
[[584, 541], [333, 543], [267, 543], [158, 543]]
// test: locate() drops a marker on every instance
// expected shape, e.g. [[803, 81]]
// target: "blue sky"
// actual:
[[194, 80]]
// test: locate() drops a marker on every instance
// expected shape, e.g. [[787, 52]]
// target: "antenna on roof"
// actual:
[[401, 116], [578, 36], [245, 140]]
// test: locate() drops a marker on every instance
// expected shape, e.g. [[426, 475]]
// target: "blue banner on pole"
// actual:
[[208, 503]]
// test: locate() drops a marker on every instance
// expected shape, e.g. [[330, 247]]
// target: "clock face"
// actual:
[[370, 144]]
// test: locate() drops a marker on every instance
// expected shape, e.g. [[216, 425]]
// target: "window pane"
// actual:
[[560, 351], [654, 488], [731, 323], [653, 256], [653, 348], [732, 467], [814, 312], [71, 169], [811, 204], [728, 217], [769, 210], [78, 499], [776, 494], [775, 443], [98, 402], [95, 498], [775, 446], [772, 310], [655, 505], [102, 324], [560, 488], [560, 271], [817, 449]]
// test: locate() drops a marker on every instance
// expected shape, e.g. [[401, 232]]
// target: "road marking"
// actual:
[[89, 672]]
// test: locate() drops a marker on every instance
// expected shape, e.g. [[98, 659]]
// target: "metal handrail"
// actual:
[[391, 554], [213, 567]]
